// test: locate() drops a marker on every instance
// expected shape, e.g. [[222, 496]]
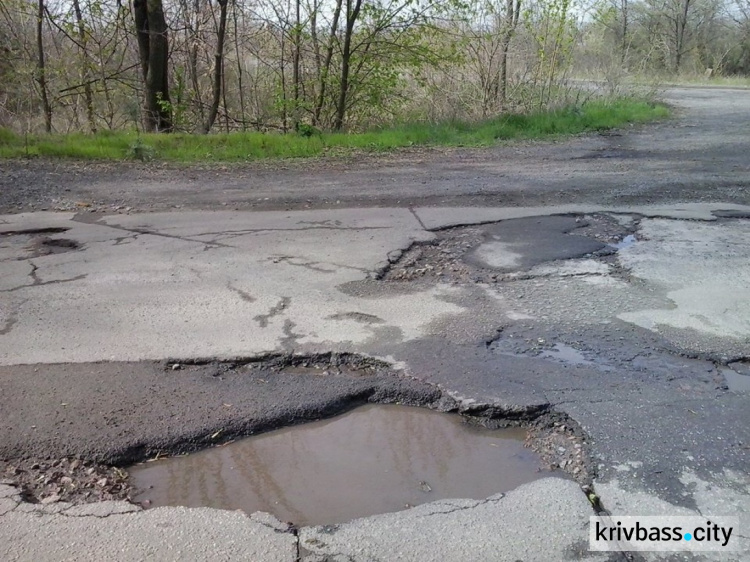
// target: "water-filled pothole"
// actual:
[[375, 459], [737, 381], [626, 242]]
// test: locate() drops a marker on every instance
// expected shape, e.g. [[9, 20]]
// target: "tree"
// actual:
[[218, 66], [41, 76], [508, 28], [153, 51], [678, 19], [353, 8], [324, 68], [82, 46]]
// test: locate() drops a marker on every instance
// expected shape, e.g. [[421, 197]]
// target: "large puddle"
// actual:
[[375, 459]]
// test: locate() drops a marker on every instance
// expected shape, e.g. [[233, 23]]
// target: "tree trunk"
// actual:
[[680, 28], [296, 64], [624, 40], [240, 85], [41, 76], [219, 67], [153, 49], [88, 95], [352, 14], [193, 60], [326, 69], [512, 12]]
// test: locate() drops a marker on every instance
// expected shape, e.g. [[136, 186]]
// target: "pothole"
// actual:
[[46, 246], [35, 243], [375, 459], [511, 249], [35, 231]]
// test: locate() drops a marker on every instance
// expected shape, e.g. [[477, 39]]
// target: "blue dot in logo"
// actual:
[[688, 537]]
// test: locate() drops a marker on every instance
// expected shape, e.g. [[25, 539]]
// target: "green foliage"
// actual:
[[7, 137], [140, 151], [305, 130], [310, 142]]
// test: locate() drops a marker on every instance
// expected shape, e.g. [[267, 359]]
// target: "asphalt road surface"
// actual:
[[596, 290]]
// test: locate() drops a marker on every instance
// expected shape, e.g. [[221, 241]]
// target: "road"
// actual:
[[600, 284]]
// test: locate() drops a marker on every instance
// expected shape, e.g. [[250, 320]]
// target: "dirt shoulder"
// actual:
[[701, 155]]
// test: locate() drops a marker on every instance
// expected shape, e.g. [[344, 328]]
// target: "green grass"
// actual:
[[240, 147]]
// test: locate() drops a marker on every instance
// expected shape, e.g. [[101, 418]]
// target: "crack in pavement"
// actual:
[[313, 265], [37, 282], [245, 231], [120, 241], [275, 310], [139, 231], [85, 509], [419, 219], [289, 529], [290, 338], [244, 295], [457, 508]]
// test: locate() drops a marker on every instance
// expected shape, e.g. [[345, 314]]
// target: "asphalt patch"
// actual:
[[520, 244]]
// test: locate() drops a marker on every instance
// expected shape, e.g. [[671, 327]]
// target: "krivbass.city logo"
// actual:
[[664, 534]]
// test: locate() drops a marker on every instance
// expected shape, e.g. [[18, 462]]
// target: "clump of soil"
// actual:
[[65, 480]]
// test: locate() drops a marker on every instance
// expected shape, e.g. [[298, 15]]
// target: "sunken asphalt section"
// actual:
[[631, 323]]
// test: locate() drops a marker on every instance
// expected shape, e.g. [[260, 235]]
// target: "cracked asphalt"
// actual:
[[610, 291]]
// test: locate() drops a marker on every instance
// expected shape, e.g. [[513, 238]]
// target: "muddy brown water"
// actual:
[[375, 459]]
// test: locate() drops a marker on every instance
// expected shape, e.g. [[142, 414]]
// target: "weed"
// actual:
[[141, 151]]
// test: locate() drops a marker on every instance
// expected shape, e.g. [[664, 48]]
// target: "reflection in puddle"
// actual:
[[566, 354], [375, 459], [626, 242], [736, 381]]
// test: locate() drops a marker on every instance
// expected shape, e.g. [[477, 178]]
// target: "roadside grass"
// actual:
[[241, 147]]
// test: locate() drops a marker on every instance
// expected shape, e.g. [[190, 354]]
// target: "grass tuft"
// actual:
[[241, 147]]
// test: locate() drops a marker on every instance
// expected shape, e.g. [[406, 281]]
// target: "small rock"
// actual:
[[54, 498], [425, 487], [102, 482], [176, 367]]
